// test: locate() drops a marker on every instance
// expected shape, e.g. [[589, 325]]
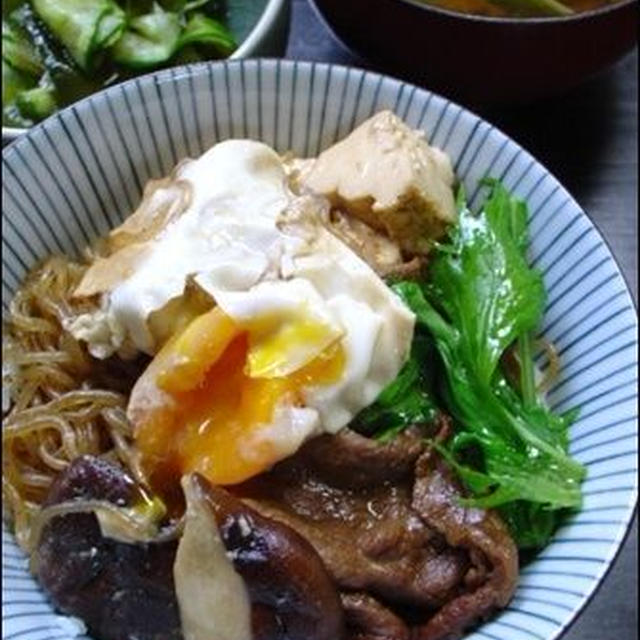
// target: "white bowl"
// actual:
[[267, 39], [81, 171]]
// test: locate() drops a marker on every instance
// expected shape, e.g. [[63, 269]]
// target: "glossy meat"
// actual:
[[493, 580], [126, 591], [369, 537], [382, 523], [352, 461], [407, 544], [368, 619]]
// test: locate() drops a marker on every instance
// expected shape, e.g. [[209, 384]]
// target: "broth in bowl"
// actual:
[[519, 8], [470, 56]]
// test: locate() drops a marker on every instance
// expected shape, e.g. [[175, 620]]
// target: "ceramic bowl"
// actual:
[[82, 170], [481, 60]]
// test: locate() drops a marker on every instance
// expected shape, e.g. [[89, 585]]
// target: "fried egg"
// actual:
[[300, 336]]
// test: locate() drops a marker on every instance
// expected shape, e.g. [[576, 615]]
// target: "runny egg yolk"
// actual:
[[219, 394]]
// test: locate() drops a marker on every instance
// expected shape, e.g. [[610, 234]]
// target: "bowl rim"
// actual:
[[193, 67], [258, 32], [623, 534], [580, 16], [611, 561], [260, 29]]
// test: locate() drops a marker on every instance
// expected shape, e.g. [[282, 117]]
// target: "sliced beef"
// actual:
[[352, 461], [126, 591], [380, 522], [396, 532], [368, 619], [369, 536], [492, 581]]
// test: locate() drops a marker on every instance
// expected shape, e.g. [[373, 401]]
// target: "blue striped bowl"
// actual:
[[82, 171]]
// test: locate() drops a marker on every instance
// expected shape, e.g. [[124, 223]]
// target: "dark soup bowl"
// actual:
[[483, 60]]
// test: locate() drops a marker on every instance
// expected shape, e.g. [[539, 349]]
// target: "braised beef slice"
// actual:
[[351, 461], [482, 533], [126, 591], [368, 619], [370, 538], [407, 543]]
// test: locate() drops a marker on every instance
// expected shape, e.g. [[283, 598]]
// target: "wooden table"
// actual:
[[588, 140]]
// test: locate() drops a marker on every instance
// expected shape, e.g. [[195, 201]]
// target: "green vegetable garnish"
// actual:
[[36, 104], [407, 400], [481, 297], [84, 27], [18, 53], [205, 31], [13, 84], [62, 50], [150, 40]]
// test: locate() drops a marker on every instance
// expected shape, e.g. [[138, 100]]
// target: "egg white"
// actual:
[[266, 258]]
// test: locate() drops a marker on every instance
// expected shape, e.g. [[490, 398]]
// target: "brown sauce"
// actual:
[[513, 8]]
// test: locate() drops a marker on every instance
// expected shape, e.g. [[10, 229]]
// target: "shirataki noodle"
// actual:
[[64, 403]]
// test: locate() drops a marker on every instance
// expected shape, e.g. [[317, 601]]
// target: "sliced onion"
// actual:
[[213, 599], [126, 524]]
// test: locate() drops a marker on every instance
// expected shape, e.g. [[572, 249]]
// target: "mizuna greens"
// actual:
[[408, 399], [479, 299], [56, 51]]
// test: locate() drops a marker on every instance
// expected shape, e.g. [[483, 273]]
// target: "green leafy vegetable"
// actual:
[[8, 6], [205, 31], [149, 41], [27, 95], [407, 400], [18, 52], [84, 27], [53, 56], [194, 4], [482, 297], [60, 80], [13, 83], [61, 50], [36, 103], [154, 38]]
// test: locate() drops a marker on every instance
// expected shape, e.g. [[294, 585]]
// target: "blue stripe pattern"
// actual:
[[72, 178]]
